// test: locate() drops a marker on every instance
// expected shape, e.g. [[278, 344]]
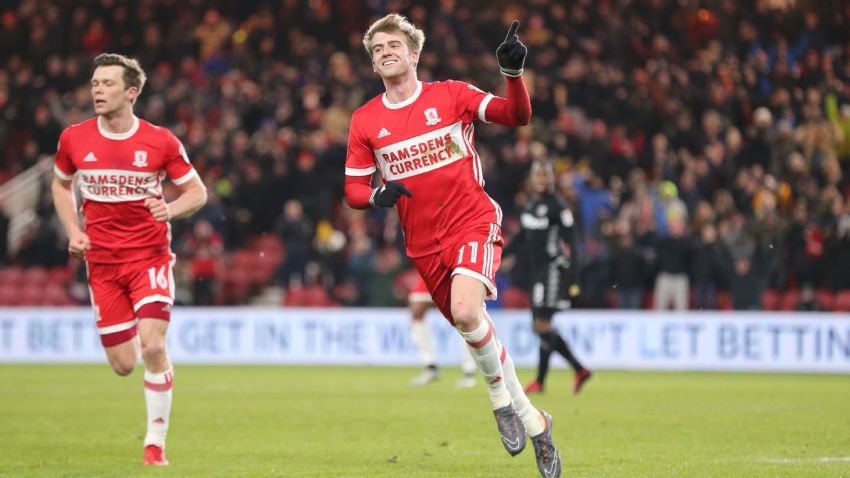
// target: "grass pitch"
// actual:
[[366, 422]]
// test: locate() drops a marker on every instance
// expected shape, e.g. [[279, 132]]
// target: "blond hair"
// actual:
[[394, 23], [134, 75]]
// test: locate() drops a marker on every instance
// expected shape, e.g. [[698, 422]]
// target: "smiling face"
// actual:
[[109, 91], [391, 55]]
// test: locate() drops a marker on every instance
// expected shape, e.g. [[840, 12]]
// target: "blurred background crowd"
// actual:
[[703, 144]]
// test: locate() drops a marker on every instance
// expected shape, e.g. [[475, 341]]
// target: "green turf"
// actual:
[[366, 422]]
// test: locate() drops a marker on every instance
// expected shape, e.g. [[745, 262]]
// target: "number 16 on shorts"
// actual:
[[158, 277]]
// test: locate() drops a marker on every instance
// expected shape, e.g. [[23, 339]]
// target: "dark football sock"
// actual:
[[560, 346], [545, 352]]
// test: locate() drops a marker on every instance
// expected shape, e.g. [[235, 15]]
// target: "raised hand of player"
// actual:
[[78, 244], [159, 209], [389, 194], [511, 53]]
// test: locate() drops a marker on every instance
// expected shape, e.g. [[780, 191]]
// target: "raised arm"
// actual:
[[515, 109]]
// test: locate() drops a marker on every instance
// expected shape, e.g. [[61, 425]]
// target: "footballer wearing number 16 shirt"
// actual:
[[119, 161], [419, 137]]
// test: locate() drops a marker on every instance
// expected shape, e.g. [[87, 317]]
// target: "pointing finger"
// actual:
[[512, 30], [405, 191]]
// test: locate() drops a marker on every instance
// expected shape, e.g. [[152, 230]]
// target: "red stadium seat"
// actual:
[[31, 294], [515, 298], [842, 301], [770, 300], [724, 300], [296, 297], [245, 259], [789, 300], [36, 276], [10, 275], [263, 272], [268, 247], [60, 275], [826, 299], [56, 295], [235, 284], [9, 295], [317, 296]]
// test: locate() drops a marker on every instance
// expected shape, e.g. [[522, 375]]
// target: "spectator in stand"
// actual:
[[808, 300], [627, 271], [296, 231], [674, 253], [729, 107], [746, 283], [708, 265], [204, 247]]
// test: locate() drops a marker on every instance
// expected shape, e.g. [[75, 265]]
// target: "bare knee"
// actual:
[[152, 338], [153, 349], [123, 366], [466, 316]]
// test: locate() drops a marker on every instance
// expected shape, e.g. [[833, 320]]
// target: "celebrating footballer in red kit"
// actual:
[[419, 137], [119, 161]]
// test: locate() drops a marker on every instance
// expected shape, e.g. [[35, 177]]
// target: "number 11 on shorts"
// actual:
[[158, 277], [473, 252]]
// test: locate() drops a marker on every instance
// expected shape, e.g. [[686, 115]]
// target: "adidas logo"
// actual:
[[159, 421], [383, 133], [90, 158]]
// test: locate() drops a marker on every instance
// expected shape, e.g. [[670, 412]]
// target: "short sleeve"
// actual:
[[63, 166], [177, 165], [471, 99], [562, 212], [359, 160]]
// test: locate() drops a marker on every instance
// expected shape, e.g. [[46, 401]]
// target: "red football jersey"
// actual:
[[115, 174], [426, 143]]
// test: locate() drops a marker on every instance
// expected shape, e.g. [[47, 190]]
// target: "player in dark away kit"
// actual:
[[547, 243]]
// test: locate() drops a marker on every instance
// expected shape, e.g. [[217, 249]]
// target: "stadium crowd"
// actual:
[[705, 145]]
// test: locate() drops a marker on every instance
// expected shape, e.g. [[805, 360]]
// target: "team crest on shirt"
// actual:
[[432, 117], [141, 159], [542, 210]]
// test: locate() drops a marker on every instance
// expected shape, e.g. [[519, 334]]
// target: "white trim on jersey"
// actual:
[[360, 171], [419, 297], [118, 136], [185, 178], [489, 251], [477, 168], [111, 329], [498, 210], [61, 174], [153, 298], [402, 104], [492, 293], [482, 108]]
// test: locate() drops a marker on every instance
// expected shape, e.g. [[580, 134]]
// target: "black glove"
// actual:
[[511, 53], [389, 194]]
